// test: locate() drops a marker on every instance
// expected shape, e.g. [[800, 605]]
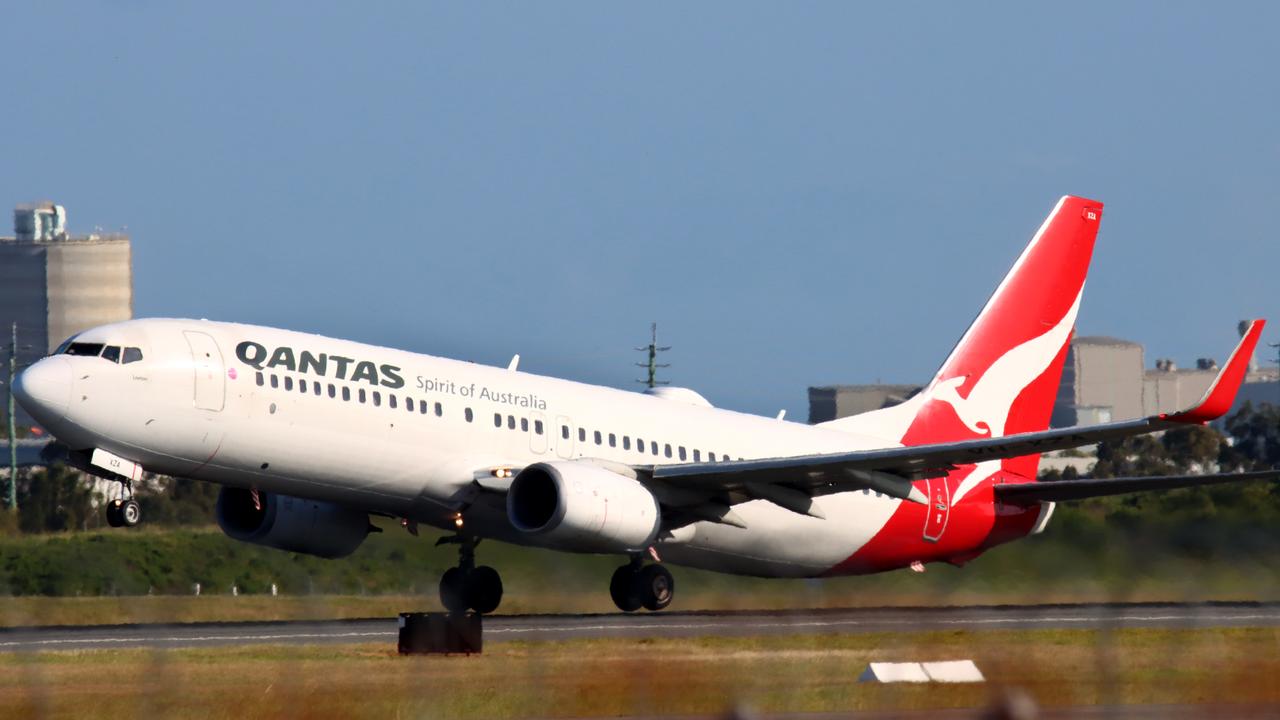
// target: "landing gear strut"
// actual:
[[467, 586], [124, 511], [637, 585]]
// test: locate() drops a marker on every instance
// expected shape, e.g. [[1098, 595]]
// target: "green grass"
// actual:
[[146, 576], [804, 673]]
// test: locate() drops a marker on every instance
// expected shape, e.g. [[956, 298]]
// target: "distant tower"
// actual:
[[54, 285], [652, 365]]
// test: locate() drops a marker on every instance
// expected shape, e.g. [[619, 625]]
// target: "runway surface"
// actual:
[[502, 628]]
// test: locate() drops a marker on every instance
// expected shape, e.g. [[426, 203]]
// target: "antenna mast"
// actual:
[[652, 365]]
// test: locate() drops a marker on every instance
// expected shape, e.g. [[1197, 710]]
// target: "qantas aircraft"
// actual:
[[309, 436]]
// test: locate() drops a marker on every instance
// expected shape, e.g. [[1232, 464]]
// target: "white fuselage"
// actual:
[[203, 404]]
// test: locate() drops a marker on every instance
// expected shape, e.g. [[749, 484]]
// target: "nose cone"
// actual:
[[44, 389]]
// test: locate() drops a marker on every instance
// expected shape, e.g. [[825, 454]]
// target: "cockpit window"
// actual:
[[65, 344], [82, 348], [132, 354], [112, 353]]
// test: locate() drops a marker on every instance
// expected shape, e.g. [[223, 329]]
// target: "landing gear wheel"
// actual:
[[114, 516], [453, 590], [656, 587], [130, 513], [624, 589], [484, 589]]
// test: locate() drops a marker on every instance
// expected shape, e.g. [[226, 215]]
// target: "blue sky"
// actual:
[[798, 194]]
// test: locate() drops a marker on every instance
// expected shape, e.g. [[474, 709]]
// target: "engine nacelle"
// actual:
[[289, 523], [582, 507]]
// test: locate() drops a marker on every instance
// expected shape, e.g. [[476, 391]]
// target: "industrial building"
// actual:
[[54, 284], [1104, 379]]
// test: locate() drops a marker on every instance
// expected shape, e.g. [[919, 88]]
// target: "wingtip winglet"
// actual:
[[1221, 395]]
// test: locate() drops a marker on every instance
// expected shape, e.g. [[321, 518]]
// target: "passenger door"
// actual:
[[210, 381]]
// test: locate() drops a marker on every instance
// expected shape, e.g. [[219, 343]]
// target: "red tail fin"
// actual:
[[1002, 377]]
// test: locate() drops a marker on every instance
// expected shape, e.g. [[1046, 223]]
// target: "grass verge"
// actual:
[[804, 673]]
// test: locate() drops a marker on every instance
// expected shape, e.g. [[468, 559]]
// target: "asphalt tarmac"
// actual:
[[502, 628]]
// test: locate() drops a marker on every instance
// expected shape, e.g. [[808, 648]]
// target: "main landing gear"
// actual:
[[467, 586], [636, 585], [124, 511]]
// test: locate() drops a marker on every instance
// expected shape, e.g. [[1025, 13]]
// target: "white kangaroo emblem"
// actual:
[[986, 410]]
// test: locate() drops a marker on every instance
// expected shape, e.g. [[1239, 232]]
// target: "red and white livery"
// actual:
[[310, 435]]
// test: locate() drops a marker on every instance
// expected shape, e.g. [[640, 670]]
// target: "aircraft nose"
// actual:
[[44, 389]]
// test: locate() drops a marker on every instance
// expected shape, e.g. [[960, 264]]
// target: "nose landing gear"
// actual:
[[124, 511], [636, 585], [467, 586]]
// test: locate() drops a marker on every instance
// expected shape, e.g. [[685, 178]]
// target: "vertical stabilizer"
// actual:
[[1002, 377]]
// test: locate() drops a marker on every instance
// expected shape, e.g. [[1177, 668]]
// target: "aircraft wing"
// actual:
[[792, 481], [1062, 490]]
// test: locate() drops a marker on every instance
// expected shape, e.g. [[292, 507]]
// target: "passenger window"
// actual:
[[288, 383], [469, 415], [653, 447], [582, 435], [626, 442], [711, 456], [639, 445], [598, 439], [316, 387], [511, 422], [391, 401], [408, 404], [682, 452], [377, 399], [524, 424], [497, 420], [132, 355], [275, 381], [564, 432], [613, 440], [361, 394], [302, 386], [261, 380], [697, 456], [422, 406], [537, 427], [439, 410], [667, 449], [333, 391], [346, 394]]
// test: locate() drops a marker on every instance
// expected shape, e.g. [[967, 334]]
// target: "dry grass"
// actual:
[[625, 677]]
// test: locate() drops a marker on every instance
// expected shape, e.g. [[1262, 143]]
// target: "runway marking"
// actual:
[[192, 638], [657, 624], [924, 624]]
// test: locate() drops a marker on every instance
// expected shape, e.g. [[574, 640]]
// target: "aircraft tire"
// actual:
[[453, 590], [130, 513], [625, 590], [484, 589], [657, 587]]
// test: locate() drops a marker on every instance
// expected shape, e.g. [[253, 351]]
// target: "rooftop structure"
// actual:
[[54, 284]]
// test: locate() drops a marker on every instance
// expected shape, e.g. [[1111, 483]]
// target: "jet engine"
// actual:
[[582, 507], [289, 523]]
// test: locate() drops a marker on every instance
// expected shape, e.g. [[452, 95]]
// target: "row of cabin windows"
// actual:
[[361, 395], [424, 408], [612, 438], [511, 423]]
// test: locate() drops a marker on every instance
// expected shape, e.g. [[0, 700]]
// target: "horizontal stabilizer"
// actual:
[[1063, 490]]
